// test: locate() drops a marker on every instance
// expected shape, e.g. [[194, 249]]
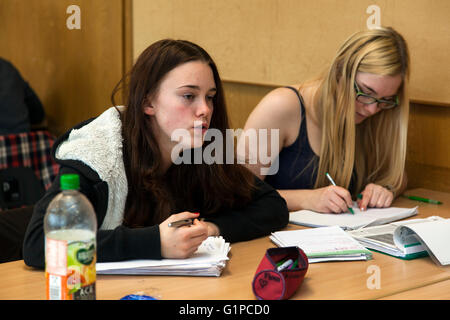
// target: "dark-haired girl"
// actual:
[[125, 161]]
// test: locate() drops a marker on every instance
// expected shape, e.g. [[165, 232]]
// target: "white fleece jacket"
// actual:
[[99, 145]]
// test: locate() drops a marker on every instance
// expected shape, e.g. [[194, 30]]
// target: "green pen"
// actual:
[[414, 198], [422, 199], [334, 184]]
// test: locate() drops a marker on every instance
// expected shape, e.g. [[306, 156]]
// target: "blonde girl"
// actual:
[[351, 123]]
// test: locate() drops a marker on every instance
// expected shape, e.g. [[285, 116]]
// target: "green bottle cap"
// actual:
[[70, 181]]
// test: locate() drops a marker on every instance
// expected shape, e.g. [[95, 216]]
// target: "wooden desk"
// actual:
[[400, 279], [439, 290]]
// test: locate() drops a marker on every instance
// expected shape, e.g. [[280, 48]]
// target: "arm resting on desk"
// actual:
[[267, 212]]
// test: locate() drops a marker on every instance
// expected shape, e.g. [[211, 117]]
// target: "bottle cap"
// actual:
[[70, 181]]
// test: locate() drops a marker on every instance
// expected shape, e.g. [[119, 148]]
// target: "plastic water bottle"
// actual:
[[70, 227]]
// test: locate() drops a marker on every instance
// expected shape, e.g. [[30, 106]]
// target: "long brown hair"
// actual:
[[152, 194]]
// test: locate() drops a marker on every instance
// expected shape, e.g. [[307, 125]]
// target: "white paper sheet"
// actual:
[[348, 221], [208, 260]]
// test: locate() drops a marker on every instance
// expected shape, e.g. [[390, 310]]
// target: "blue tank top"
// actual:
[[297, 163]]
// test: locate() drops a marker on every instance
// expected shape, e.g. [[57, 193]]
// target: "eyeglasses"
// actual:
[[381, 103]]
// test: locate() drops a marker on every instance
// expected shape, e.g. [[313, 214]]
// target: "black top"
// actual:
[[19, 105], [297, 162]]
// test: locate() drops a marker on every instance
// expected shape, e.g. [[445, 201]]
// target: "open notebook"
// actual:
[[409, 239], [348, 221], [434, 235], [209, 260]]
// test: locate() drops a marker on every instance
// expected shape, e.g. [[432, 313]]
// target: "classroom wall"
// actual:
[[73, 71], [276, 42]]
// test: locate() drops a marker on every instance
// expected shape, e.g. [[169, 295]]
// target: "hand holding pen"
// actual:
[[344, 195], [182, 239], [332, 199]]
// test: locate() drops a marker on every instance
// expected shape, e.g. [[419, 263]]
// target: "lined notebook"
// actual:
[[323, 244], [209, 260], [348, 221]]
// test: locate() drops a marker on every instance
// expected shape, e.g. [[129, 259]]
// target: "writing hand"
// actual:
[[331, 199]]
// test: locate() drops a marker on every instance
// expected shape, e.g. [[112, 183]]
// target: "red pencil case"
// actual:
[[270, 283]]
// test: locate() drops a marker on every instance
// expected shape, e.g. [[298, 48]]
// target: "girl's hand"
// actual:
[[375, 196], [182, 242], [331, 199]]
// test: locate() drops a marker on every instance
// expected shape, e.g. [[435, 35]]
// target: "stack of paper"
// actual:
[[323, 244], [209, 260], [348, 221]]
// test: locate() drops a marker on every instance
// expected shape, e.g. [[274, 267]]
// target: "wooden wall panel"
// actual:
[[425, 176], [428, 158], [288, 41], [241, 99], [72, 71], [429, 135]]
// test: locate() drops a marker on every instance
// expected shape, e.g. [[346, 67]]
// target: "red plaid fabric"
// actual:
[[30, 149]]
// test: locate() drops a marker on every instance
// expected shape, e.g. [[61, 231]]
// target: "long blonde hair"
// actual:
[[375, 149]]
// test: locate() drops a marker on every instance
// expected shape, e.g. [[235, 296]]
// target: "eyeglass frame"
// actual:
[[360, 93]]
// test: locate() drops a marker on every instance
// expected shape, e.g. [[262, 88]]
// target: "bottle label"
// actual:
[[70, 269]]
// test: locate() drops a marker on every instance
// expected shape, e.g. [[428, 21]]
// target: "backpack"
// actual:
[[19, 187]]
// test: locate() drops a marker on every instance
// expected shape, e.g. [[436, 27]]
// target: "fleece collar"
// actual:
[[99, 145]]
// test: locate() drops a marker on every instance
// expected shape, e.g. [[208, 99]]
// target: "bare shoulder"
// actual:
[[279, 108], [283, 101]]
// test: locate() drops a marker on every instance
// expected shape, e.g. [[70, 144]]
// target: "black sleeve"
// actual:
[[35, 108], [121, 243], [266, 213]]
